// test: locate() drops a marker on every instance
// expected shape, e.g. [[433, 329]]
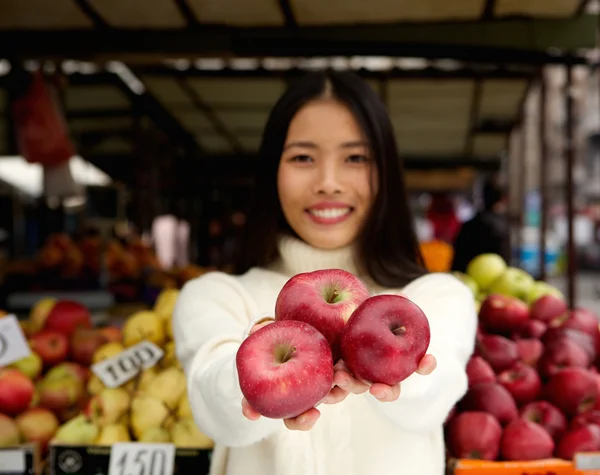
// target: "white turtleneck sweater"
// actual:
[[359, 436]]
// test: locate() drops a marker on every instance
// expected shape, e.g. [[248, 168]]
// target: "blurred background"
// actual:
[[129, 131]]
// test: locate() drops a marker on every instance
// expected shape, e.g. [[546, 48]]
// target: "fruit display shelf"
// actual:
[[95, 460]]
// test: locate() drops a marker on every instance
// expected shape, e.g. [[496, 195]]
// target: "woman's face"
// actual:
[[327, 178]]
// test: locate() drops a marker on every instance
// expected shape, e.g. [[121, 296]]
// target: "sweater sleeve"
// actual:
[[425, 401], [211, 319]]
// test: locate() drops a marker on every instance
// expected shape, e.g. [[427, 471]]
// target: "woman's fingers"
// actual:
[[349, 383], [248, 411], [259, 325], [304, 421], [336, 395], [385, 393], [427, 365]]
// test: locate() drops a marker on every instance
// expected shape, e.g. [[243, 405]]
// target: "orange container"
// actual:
[[584, 464]]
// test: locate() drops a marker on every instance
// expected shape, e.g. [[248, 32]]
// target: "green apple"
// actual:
[[30, 366], [513, 282], [468, 281], [541, 288], [485, 269], [481, 296]]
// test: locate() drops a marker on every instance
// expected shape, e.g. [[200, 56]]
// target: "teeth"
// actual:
[[330, 213]]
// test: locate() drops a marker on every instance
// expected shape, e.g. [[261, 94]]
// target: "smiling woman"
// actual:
[[330, 194], [326, 178]]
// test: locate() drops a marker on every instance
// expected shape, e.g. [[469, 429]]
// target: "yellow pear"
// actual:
[[168, 386], [170, 358], [95, 385], [169, 329], [165, 303], [77, 431], [113, 433], [185, 433], [108, 406], [147, 412], [106, 351], [144, 325], [38, 314], [184, 410], [156, 435]]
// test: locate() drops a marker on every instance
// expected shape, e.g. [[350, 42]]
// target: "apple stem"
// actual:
[[288, 354], [398, 330], [333, 296]]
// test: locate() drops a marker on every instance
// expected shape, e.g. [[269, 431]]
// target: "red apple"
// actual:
[[547, 416], [284, 369], [502, 314], [66, 316], [9, 432], [52, 346], [583, 439], [385, 339], [533, 329], [501, 353], [84, 343], [522, 382], [572, 390], [60, 390], [578, 319], [560, 354], [16, 391], [38, 425], [530, 350], [525, 440], [474, 435], [492, 398], [68, 368], [112, 333], [479, 371], [589, 417], [547, 308], [324, 299], [585, 341]]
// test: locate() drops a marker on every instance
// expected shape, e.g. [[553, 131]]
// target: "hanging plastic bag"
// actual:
[[41, 131]]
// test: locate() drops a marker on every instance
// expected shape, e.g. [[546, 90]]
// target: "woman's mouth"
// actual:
[[329, 215]]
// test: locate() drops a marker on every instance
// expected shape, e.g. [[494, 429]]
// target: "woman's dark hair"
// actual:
[[387, 245]]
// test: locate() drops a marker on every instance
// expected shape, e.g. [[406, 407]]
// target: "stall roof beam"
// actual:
[[510, 40]]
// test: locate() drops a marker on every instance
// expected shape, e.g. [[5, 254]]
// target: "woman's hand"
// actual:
[[304, 421], [345, 383]]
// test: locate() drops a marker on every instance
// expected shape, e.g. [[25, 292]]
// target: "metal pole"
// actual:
[[569, 189], [543, 178], [522, 185]]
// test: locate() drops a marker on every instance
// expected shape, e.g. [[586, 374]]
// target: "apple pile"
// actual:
[[534, 387], [48, 387], [323, 317], [52, 396]]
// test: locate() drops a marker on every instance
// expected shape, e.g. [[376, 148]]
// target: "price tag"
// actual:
[[13, 344], [12, 461], [133, 458], [126, 365]]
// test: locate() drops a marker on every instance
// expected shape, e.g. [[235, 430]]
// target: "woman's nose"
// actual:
[[329, 180]]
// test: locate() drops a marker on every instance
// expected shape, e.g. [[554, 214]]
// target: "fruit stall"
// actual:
[[72, 391], [174, 110]]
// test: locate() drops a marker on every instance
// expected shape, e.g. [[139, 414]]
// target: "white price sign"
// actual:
[[136, 458], [12, 461], [13, 344], [119, 369]]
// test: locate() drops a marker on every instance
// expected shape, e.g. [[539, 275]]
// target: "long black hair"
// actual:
[[388, 249]]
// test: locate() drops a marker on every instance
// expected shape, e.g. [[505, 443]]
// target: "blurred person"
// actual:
[[488, 231], [330, 193]]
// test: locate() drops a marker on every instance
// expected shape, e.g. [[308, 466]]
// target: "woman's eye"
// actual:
[[301, 159], [357, 159]]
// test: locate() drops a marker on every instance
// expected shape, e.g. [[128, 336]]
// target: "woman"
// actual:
[[330, 193]]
